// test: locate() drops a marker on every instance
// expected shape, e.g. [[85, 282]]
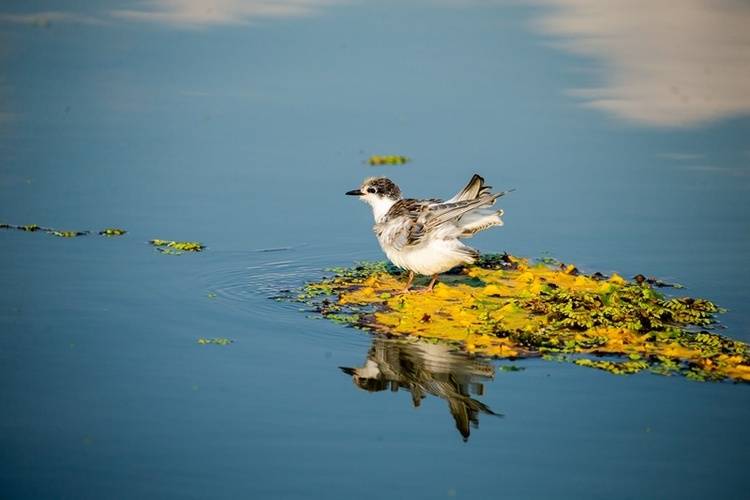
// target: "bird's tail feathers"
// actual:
[[479, 220], [474, 189]]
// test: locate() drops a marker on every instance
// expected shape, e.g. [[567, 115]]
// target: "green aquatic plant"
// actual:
[[32, 228], [112, 231], [177, 247], [215, 341], [67, 234], [616, 367], [507, 307], [388, 160]]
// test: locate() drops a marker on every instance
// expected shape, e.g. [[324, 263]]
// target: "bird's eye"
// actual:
[[371, 189]]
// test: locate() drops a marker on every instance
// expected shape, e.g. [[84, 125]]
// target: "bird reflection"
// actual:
[[423, 368]]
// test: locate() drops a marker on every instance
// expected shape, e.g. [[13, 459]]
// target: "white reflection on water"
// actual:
[[666, 63], [194, 13], [47, 18]]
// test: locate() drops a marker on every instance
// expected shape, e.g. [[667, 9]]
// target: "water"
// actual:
[[242, 128]]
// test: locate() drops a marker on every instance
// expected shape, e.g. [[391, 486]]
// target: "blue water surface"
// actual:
[[241, 125]]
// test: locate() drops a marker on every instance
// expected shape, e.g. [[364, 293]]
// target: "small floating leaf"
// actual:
[[112, 231], [215, 341], [388, 160], [32, 228], [67, 234], [177, 247]]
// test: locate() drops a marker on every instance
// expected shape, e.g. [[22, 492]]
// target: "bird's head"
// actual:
[[378, 192], [375, 189]]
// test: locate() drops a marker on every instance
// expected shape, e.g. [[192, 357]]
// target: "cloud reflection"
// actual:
[[196, 13], [423, 369], [46, 19], [669, 64]]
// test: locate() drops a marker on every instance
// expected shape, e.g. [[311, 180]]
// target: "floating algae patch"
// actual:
[[216, 341], [388, 160], [29, 228], [33, 228], [112, 231], [68, 234], [508, 307], [177, 247]]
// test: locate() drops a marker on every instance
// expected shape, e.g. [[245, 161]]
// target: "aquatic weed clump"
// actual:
[[376, 160], [33, 228], [509, 307], [112, 231], [177, 247]]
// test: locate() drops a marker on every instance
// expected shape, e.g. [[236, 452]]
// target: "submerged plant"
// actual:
[[507, 307]]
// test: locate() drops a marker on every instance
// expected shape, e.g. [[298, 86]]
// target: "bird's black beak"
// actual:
[[355, 192]]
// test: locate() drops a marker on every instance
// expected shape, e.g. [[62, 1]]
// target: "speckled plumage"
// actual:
[[423, 235]]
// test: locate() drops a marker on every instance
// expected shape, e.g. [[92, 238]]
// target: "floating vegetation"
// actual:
[[112, 231], [68, 234], [177, 247], [508, 307], [640, 279], [388, 160], [215, 341], [164, 246], [32, 228]]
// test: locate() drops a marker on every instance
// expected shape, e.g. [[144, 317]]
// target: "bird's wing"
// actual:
[[474, 189], [409, 222], [439, 214], [401, 226]]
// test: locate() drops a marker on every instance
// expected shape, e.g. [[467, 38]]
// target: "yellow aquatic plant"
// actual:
[[508, 307]]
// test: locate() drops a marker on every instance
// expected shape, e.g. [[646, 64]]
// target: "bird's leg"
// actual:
[[408, 282], [431, 286]]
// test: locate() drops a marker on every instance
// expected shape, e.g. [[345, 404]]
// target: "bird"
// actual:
[[423, 236]]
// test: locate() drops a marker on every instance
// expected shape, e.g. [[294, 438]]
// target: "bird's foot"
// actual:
[[407, 288], [429, 288]]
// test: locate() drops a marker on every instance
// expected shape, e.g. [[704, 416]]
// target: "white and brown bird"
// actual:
[[423, 236]]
